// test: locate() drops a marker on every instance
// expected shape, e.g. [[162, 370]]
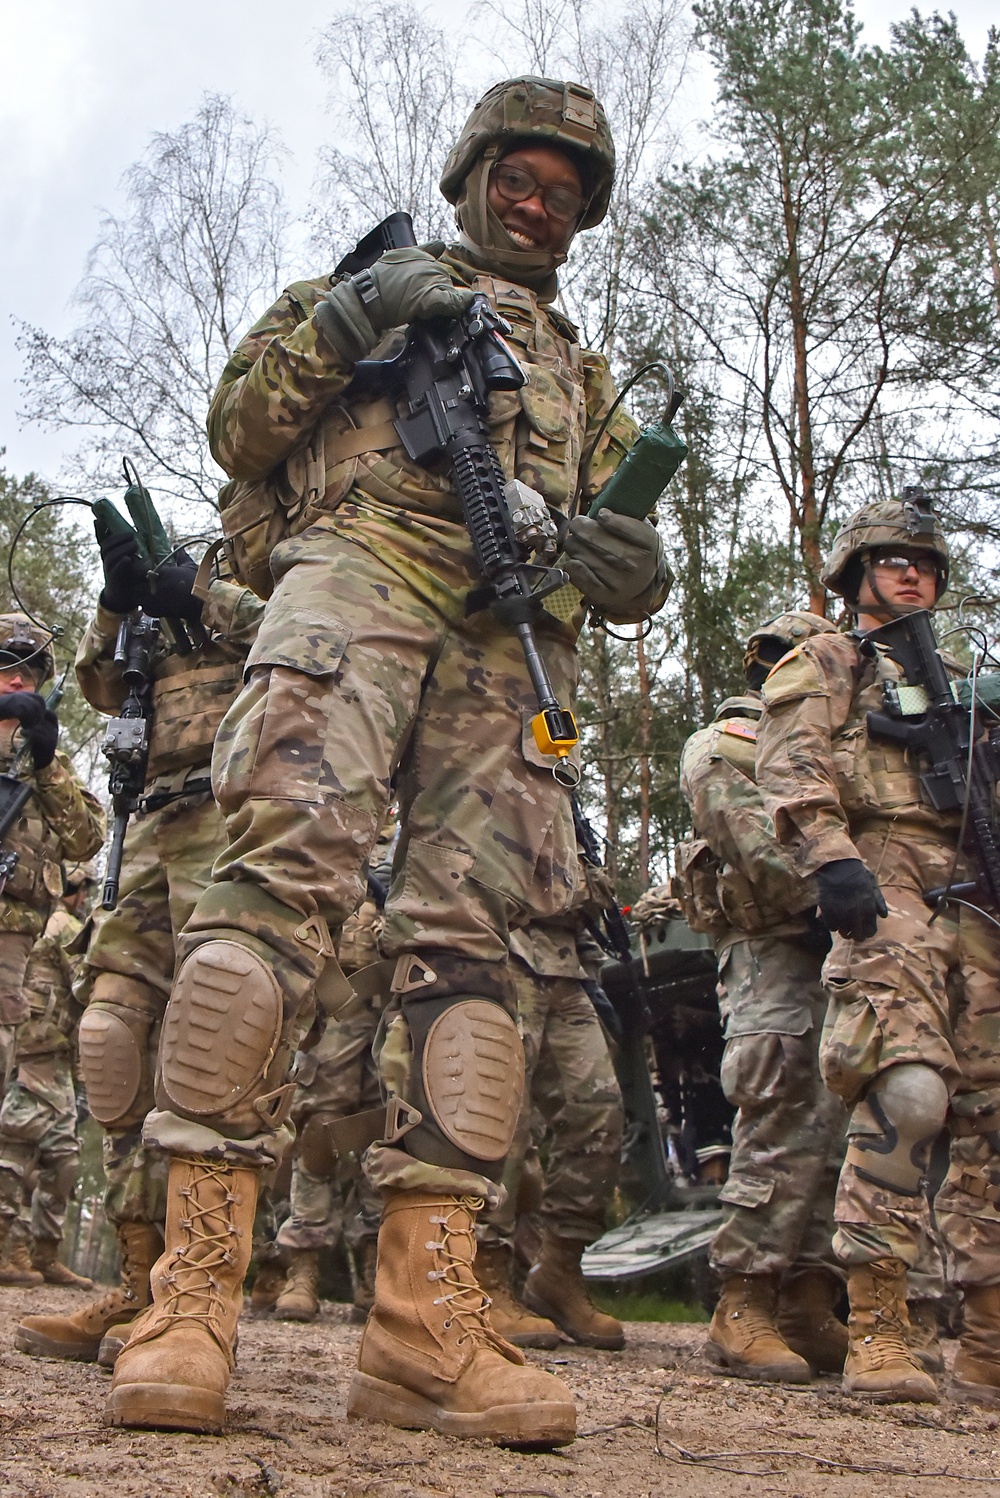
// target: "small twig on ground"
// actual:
[[260, 1430], [524, 1493], [272, 1480], [713, 1459], [600, 1430]]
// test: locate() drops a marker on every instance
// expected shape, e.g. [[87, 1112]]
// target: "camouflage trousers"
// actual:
[[920, 992], [332, 1197], [39, 1138], [788, 1135], [569, 1077], [357, 682], [168, 863], [15, 949]]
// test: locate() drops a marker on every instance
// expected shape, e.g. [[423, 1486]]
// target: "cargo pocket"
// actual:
[[740, 1192], [277, 730], [850, 1051]]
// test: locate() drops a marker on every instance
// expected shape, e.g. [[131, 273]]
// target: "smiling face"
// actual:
[[530, 221], [906, 578]]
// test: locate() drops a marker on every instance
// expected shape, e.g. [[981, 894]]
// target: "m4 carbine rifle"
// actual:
[[925, 715], [126, 739], [15, 794], [445, 373]]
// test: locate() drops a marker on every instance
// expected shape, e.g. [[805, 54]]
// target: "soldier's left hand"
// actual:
[[612, 559], [169, 595]]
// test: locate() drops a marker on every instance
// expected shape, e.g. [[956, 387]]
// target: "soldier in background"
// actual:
[[780, 1281], [570, 1076], [911, 1039], [170, 847], [39, 1124], [60, 821]]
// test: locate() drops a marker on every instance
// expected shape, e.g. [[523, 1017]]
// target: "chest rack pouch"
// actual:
[[443, 378]]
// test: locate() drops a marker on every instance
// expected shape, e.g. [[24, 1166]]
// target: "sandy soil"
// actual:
[[288, 1435]]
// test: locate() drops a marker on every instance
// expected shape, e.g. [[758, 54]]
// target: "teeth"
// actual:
[[519, 238]]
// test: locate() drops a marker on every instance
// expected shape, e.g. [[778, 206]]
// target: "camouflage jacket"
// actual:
[[735, 861], [825, 781], [61, 821], [191, 693], [54, 1015], [278, 419]]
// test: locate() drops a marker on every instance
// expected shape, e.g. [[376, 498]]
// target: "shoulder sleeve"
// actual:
[[281, 377], [232, 611], [99, 679], [807, 699], [73, 813]]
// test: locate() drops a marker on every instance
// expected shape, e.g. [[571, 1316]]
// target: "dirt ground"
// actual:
[[288, 1434]]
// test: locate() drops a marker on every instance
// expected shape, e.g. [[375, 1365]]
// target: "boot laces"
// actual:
[[192, 1279], [888, 1344], [467, 1302]]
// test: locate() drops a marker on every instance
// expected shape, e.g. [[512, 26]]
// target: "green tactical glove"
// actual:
[[617, 562], [402, 287]]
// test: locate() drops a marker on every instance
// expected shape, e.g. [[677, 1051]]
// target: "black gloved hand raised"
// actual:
[[168, 590], [124, 573], [39, 724], [850, 901]]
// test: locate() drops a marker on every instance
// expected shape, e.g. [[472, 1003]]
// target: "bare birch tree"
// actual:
[[170, 285]]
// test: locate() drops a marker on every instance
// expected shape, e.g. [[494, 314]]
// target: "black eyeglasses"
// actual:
[[926, 564], [516, 185]]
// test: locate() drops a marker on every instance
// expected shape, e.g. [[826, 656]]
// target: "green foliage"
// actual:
[[56, 579]]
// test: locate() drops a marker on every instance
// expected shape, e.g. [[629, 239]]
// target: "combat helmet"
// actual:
[[891, 522], [775, 638], [27, 643], [549, 112]]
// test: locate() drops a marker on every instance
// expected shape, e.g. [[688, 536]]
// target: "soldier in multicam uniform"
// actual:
[[780, 1282], [367, 667], [170, 847], [39, 1126], [570, 1077], [911, 1036], [61, 820]]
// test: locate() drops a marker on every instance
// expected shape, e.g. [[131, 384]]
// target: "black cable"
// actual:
[[587, 459]]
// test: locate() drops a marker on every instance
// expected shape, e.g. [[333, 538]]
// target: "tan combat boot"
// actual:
[[744, 1336], [79, 1336], [494, 1262], [880, 1364], [363, 1261], [976, 1374], [44, 1258], [16, 1267], [267, 1286], [299, 1301], [806, 1319], [173, 1372], [429, 1359], [923, 1335], [555, 1287]]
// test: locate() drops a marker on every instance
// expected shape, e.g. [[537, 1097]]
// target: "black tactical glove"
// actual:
[[613, 559], [124, 573], [850, 901], [402, 287], [168, 590], [39, 724]]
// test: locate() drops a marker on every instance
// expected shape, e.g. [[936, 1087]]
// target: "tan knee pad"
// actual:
[[893, 1129], [472, 1071], [114, 1049], [221, 1050]]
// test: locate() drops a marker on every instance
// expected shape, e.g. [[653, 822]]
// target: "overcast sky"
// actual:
[[83, 84]]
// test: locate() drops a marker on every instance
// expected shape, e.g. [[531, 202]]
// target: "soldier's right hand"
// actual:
[[39, 724], [403, 287], [124, 573], [850, 901]]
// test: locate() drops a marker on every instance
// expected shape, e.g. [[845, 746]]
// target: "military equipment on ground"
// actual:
[[126, 739], [962, 765]]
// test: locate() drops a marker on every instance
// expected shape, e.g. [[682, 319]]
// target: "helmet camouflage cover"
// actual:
[[788, 630], [22, 641], [891, 522], [549, 111]]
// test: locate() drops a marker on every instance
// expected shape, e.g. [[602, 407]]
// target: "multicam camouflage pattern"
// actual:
[[191, 693], [570, 1080], [62, 820], [39, 1145], [545, 110], [917, 990], [788, 1136], [54, 1015]]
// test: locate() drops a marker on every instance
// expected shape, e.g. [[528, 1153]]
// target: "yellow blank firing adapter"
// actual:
[[556, 733]]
